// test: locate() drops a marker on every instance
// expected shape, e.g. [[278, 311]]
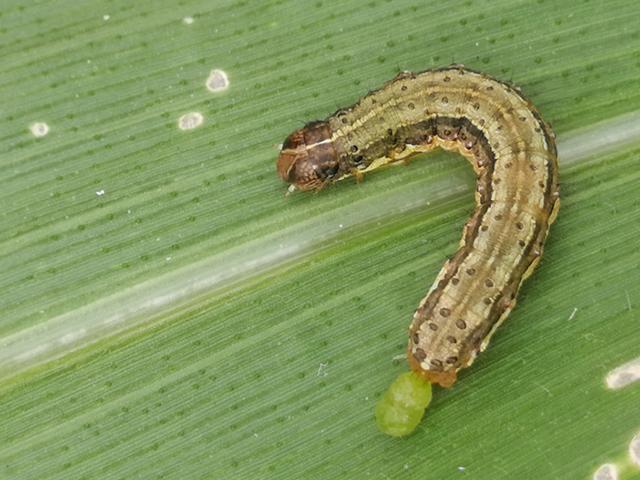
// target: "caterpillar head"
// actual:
[[308, 159]]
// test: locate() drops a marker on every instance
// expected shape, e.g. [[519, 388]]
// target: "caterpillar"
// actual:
[[513, 153]]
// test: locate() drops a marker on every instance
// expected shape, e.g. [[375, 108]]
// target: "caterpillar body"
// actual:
[[513, 153]]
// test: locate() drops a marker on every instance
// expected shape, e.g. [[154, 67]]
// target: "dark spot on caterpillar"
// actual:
[[476, 106], [447, 78], [415, 337], [436, 364], [452, 359], [521, 243], [403, 88], [487, 301], [461, 324], [445, 100], [410, 106], [471, 271], [455, 280], [488, 282], [451, 339], [498, 217], [484, 228], [519, 225], [330, 170], [508, 165], [433, 326], [444, 311], [420, 354], [354, 148]]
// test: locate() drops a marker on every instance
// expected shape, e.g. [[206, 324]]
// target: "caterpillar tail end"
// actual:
[[445, 379], [402, 406]]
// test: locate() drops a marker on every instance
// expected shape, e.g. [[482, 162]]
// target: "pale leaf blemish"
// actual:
[[39, 129], [190, 120], [573, 313], [634, 449], [544, 388], [100, 193], [106, 17], [624, 374], [608, 471], [322, 370], [217, 81], [188, 20]]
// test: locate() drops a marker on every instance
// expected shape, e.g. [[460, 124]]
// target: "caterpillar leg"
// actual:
[[358, 175]]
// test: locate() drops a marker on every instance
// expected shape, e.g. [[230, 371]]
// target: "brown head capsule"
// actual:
[[308, 159]]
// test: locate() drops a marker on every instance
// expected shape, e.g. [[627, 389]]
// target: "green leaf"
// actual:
[[168, 313]]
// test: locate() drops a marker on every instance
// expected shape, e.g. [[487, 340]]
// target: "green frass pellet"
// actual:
[[402, 406]]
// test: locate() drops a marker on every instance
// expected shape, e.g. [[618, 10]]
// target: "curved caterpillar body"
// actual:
[[513, 153]]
